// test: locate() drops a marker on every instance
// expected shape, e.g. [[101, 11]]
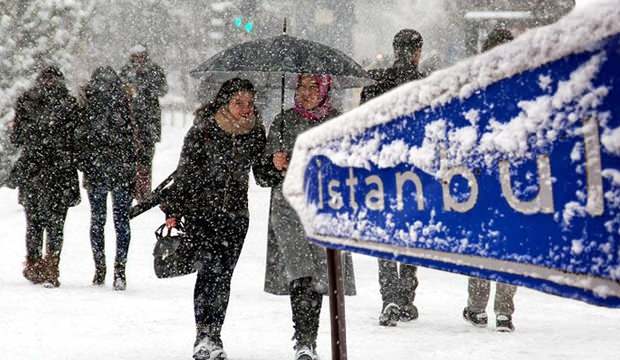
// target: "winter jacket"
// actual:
[[390, 78], [290, 255], [105, 135], [150, 83], [45, 121], [213, 171]]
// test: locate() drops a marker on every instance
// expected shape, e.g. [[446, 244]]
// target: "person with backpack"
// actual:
[[209, 194], [108, 161], [145, 82], [46, 171]]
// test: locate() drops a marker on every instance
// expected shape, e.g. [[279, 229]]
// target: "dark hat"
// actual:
[[497, 37], [407, 39]]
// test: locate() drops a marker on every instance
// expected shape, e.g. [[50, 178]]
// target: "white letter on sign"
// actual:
[[352, 183], [594, 205], [375, 198], [320, 180], [449, 203], [401, 179], [543, 202], [335, 197]]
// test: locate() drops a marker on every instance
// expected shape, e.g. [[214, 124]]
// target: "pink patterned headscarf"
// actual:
[[320, 112]]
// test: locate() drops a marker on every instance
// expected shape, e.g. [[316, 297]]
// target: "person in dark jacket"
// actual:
[[398, 282], [479, 290], [209, 192], [145, 82], [46, 172], [109, 164], [295, 266]]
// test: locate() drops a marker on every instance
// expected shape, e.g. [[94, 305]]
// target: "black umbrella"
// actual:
[[268, 61]]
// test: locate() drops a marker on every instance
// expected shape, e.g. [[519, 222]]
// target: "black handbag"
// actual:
[[174, 253]]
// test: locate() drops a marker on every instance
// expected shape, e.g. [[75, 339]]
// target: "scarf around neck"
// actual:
[[232, 126]]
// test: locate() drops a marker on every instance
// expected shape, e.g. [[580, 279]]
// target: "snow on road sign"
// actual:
[[505, 166]]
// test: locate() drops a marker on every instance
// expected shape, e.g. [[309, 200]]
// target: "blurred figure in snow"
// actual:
[[108, 160], [296, 267], [145, 82], [480, 289], [397, 281], [46, 172]]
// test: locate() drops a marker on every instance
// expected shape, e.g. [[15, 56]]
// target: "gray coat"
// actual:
[[289, 255]]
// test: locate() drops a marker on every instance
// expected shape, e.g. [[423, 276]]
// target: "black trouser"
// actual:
[[44, 218], [221, 238], [306, 305], [121, 201], [397, 287]]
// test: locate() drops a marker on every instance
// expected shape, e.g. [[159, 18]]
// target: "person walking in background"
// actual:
[[479, 289], [398, 282], [145, 82], [303, 264], [108, 161], [46, 172], [209, 192]]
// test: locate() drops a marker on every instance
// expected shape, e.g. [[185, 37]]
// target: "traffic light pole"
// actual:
[[336, 305]]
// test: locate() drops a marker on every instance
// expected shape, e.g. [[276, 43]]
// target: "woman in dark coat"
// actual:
[[210, 194], [108, 161], [294, 265], [46, 172]]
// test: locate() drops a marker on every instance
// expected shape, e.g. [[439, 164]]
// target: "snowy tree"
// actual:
[[34, 33]]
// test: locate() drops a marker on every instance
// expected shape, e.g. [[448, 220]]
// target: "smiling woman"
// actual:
[[210, 193], [288, 252]]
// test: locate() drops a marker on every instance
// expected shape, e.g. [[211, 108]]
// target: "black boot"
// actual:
[[100, 271], [306, 305], [503, 323], [390, 314], [120, 282], [477, 319]]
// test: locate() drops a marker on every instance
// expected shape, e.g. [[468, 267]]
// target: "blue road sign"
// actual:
[[514, 179]]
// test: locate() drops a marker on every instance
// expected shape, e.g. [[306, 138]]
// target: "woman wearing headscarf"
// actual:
[[296, 267], [108, 161], [210, 194], [46, 172]]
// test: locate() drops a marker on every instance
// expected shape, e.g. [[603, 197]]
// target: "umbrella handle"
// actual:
[[281, 129]]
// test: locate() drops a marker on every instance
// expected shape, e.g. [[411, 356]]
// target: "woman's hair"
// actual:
[[228, 89], [50, 72], [105, 77], [106, 86]]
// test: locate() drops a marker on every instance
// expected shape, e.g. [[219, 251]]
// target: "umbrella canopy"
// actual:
[[265, 60]]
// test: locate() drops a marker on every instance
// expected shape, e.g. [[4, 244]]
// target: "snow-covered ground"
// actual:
[[153, 319]]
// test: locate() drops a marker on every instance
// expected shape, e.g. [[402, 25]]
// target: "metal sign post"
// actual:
[[336, 305]]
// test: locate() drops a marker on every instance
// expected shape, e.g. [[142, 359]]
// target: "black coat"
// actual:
[[150, 84], [106, 136], [213, 172], [46, 172], [390, 78]]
